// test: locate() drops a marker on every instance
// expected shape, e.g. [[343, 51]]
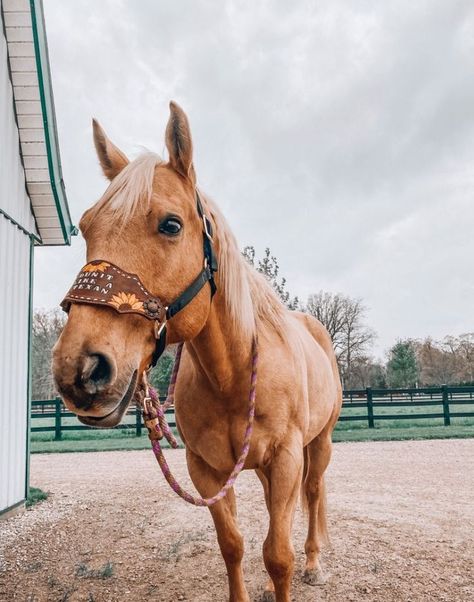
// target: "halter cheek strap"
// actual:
[[101, 282]]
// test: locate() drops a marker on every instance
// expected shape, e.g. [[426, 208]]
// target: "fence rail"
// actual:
[[54, 408], [443, 398], [372, 403]]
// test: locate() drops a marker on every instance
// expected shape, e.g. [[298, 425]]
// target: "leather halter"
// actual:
[[101, 282]]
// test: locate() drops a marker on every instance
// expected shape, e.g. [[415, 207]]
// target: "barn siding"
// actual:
[[14, 298], [13, 197], [31, 185], [14, 327]]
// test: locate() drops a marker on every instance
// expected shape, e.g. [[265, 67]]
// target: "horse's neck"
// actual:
[[221, 352]]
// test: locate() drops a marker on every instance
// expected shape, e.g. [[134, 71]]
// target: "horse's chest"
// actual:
[[209, 434]]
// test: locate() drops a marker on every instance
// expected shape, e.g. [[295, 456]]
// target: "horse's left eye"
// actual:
[[171, 226]]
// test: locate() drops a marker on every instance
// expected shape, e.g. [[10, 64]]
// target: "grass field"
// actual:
[[353, 430]]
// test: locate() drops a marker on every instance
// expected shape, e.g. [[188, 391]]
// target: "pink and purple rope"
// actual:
[[160, 409]]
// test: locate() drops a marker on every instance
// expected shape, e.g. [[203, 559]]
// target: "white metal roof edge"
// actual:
[[34, 105], [49, 120]]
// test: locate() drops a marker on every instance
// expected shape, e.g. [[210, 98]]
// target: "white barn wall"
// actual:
[[14, 299], [33, 210], [14, 332]]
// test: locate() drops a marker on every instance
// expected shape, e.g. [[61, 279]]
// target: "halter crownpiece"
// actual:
[[101, 282]]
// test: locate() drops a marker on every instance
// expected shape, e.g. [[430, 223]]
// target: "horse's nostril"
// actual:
[[96, 373]]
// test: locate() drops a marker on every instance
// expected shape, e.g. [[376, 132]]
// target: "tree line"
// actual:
[[408, 363]]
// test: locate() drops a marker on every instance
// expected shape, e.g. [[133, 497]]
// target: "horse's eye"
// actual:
[[171, 226]]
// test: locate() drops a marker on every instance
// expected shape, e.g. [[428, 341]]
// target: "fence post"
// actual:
[[57, 419], [138, 422], [370, 408], [447, 417]]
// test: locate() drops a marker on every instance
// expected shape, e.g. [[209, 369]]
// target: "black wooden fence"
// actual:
[[370, 405], [434, 402], [55, 409]]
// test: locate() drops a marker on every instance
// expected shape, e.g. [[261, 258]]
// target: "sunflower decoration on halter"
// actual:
[[126, 301]]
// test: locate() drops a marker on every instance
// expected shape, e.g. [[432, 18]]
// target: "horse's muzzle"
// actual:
[[115, 416]]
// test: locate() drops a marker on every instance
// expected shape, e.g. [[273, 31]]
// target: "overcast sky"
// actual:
[[339, 134]]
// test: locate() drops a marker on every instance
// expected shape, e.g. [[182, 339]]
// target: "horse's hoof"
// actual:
[[268, 596], [315, 577]]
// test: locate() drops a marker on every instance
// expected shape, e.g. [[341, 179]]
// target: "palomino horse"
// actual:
[[147, 224]]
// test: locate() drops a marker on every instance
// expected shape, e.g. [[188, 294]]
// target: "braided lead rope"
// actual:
[[163, 428], [160, 410]]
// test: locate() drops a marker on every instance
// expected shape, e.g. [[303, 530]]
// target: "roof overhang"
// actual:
[[34, 104]]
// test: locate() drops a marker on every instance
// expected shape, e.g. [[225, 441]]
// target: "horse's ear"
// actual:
[[111, 158], [179, 142]]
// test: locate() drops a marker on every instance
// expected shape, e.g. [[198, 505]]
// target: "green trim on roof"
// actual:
[[49, 120]]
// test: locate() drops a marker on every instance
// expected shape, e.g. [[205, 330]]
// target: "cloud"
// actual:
[[338, 134]]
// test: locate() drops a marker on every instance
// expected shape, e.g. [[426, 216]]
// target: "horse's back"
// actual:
[[319, 333]]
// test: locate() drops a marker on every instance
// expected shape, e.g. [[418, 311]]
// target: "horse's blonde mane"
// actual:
[[131, 188], [249, 297]]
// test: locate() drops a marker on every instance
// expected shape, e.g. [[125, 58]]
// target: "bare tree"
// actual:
[[450, 361], [47, 326], [465, 352], [268, 266], [367, 372], [344, 318], [330, 310]]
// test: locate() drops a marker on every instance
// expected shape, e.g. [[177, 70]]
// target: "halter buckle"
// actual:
[[146, 404]]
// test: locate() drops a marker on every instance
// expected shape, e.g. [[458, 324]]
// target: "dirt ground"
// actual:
[[401, 518]]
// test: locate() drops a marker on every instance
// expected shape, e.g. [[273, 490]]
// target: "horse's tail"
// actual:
[[322, 529]]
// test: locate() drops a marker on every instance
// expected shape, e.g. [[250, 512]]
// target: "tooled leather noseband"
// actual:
[[101, 282]]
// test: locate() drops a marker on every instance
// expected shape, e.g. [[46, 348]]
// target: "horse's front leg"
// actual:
[[284, 479], [208, 482]]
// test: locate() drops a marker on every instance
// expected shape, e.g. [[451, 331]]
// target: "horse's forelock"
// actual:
[[130, 189]]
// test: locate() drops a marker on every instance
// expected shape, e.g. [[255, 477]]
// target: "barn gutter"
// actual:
[[49, 120]]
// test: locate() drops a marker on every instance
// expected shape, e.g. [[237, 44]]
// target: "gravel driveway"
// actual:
[[401, 520]]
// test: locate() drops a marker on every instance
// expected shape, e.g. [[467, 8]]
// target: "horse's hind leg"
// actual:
[[318, 454], [208, 482]]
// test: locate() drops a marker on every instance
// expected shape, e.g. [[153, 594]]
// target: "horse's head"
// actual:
[[147, 224]]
